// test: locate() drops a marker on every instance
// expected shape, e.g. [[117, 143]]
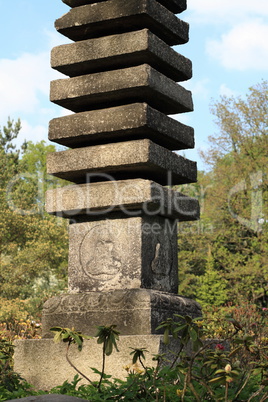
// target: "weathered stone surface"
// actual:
[[122, 160], [120, 51], [122, 123], [117, 16], [117, 87], [123, 263], [43, 363], [49, 398], [125, 252], [176, 6], [131, 197], [134, 311]]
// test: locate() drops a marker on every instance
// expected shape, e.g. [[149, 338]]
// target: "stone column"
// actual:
[[122, 85]]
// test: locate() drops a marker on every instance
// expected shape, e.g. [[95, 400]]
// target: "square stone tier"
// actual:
[[42, 362], [135, 311], [176, 6], [121, 123], [118, 16], [119, 87], [122, 160], [120, 51], [131, 197], [122, 252]]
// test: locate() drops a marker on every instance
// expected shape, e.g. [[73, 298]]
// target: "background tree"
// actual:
[[33, 245], [234, 203]]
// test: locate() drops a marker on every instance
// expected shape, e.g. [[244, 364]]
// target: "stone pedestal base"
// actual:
[[43, 364], [134, 311]]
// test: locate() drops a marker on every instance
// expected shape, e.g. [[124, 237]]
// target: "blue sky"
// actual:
[[228, 47]]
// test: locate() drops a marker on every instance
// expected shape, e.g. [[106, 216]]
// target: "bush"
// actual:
[[234, 368]]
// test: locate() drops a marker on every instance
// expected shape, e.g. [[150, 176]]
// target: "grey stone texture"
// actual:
[[118, 16], [131, 197], [120, 51], [136, 312], [113, 88], [123, 252], [121, 123], [49, 398], [123, 263], [176, 6], [122, 160], [43, 363]]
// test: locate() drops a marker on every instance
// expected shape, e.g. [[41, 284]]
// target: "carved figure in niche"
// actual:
[[162, 261], [98, 255]]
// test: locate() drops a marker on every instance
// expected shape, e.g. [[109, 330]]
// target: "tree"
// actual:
[[235, 201], [212, 286], [33, 245]]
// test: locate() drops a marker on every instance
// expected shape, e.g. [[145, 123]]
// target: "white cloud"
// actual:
[[24, 80], [21, 80], [31, 133], [226, 91], [226, 11], [65, 112], [184, 118], [243, 47], [55, 38], [200, 88]]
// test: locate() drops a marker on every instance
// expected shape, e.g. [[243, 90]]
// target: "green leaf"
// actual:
[[108, 347], [166, 336], [180, 328], [193, 334], [56, 329], [57, 337], [217, 380]]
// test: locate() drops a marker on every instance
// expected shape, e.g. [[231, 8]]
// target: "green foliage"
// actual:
[[211, 290], [108, 336], [11, 383], [33, 245], [69, 336], [234, 368], [201, 368], [138, 354], [223, 258], [223, 261]]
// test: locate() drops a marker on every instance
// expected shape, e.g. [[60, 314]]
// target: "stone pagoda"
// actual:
[[122, 86]]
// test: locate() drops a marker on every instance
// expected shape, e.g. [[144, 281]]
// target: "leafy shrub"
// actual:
[[15, 322], [234, 368], [12, 384]]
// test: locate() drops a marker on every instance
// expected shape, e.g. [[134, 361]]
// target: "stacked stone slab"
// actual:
[[122, 85]]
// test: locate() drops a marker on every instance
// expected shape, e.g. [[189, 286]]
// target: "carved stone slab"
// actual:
[[122, 160], [134, 311], [44, 365], [121, 123], [117, 16], [120, 51], [131, 197], [176, 6], [123, 253], [117, 87]]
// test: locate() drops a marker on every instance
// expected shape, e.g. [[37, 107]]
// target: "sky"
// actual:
[[228, 47]]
